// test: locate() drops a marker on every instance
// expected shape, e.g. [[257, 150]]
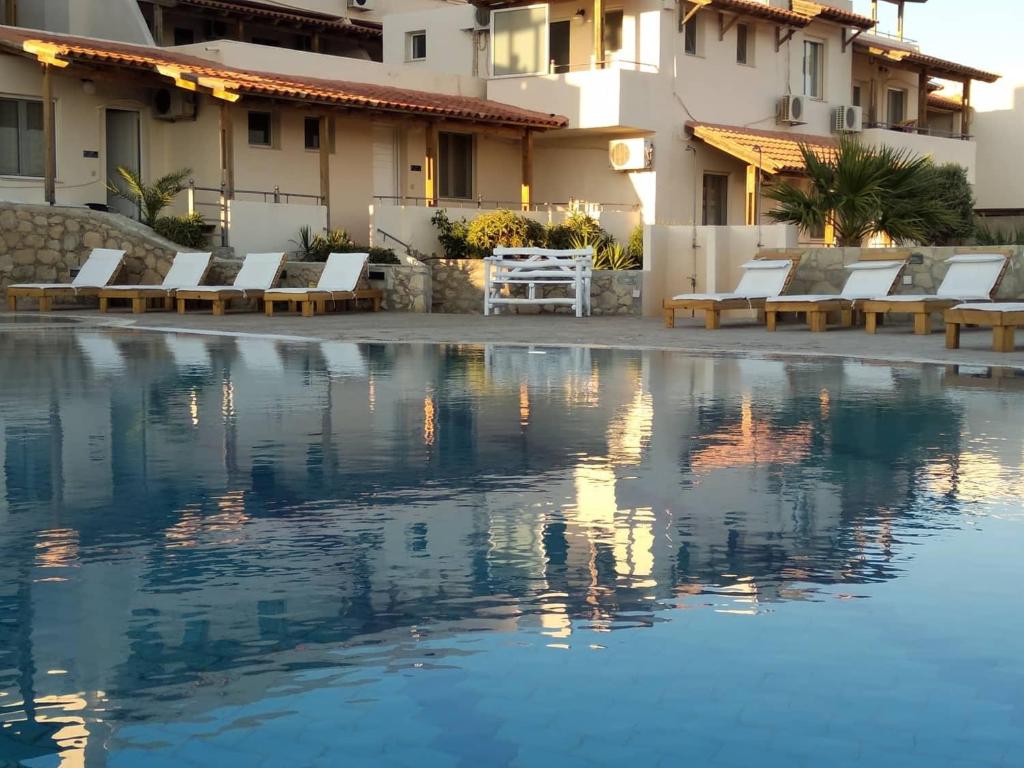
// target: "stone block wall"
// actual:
[[458, 288], [823, 270]]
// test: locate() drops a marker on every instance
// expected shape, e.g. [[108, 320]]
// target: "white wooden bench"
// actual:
[[533, 267]]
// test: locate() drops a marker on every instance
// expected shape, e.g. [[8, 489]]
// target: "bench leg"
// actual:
[[12, 303], [846, 318], [922, 323], [321, 307], [308, 308], [45, 303], [1002, 338], [871, 322], [218, 307], [138, 306], [818, 321], [670, 317], [181, 306], [712, 319], [104, 304], [952, 335], [771, 319], [268, 308]]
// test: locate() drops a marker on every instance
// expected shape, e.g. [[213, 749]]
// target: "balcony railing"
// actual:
[[920, 131], [514, 205], [613, 63]]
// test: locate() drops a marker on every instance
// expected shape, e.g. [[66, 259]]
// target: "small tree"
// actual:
[[863, 191], [953, 192], [151, 198]]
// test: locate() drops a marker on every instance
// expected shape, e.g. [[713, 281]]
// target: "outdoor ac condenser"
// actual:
[[791, 110], [631, 154], [361, 5], [848, 119], [174, 104]]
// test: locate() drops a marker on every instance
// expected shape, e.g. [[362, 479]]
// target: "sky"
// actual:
[[979, 33]]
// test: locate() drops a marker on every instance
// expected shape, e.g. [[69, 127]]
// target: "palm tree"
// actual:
[[151, 198], [863, 191]]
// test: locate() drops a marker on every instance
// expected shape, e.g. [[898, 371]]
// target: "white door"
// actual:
[[385, 165], [122, 150]]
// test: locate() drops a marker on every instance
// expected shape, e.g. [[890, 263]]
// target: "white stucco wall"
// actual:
[[268, 227], [1000, 138]]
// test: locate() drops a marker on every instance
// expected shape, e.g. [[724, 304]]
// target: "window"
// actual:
[[856, 96], [261, 129], [558, 46], [311, 132], [742, 38], [896, 106], [689, 29], [612, 32], [716, 195], [21, 137], [455, 165], [814, 69], [415, 46], [184, 36], [519, 41]]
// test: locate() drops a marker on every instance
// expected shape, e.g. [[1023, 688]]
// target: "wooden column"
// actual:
[[899, 19], [599, 32], [11, 12], [315, 42], [922, 101], [158, 24], [49, 139], [751, 218], [430, 165], [227, 166], [325, 165], [240, 30], [527, 186], [965, 119]]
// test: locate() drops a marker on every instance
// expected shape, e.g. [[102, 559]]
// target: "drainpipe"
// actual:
[[693, 216]]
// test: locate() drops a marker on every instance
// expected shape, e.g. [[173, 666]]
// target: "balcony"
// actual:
[[940, 148], [619, 96]]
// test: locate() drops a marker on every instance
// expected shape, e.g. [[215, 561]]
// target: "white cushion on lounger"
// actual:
[[1006, 306], [761, 278], [907, 297], [258, 273], [868, 279], [186, 270], [971, 276], [98, 270], [807, 297], [341, 273]]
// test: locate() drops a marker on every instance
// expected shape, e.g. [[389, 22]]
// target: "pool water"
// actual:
[[239, 551]]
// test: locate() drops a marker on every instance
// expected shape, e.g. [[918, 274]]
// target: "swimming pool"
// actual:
[[248, 552]]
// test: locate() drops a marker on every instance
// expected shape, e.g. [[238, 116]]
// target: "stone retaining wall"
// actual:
[[822, 270], [458, 288]]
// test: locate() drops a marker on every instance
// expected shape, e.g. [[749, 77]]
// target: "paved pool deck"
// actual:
[[893, 343]]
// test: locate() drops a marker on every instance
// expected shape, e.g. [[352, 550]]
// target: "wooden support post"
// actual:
[[965, 118], [712, 319], [314, 42], [10, 13], [158, 24], [430, 165], [227, 168], [527, 185], [952, 335], [325, 165], [751, 198], [922, 323], [240, 30], [874, 11], [922, 101], [49, 139], [599, 33], [899, 20]]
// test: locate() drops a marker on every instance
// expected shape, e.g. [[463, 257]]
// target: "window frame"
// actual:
[[330, 133], [694, 24], [21, 130], [820, 74], [747, 60], [704, 198], [442, 167], [410, 44], [888, 106], [620, 12], [272, 132], [545, 39]]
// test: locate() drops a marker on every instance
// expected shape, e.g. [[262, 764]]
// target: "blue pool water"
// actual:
[[227, 552]]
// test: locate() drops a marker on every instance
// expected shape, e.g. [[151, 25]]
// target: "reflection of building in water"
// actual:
[[201, 505]]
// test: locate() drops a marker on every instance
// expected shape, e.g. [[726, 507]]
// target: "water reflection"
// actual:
[[190, 523]]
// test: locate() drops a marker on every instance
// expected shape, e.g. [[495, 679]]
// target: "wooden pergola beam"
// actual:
[[430, 164], [965, 119], [526, 196], [599, 33], [848, 41], [922, 100], [781, 39], [724, 26]]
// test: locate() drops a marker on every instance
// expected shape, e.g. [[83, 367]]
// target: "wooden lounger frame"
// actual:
[[218, 299], [139, 298], [713, 309], [816, 311], [45, 295], [314, 301], [1003, 325]]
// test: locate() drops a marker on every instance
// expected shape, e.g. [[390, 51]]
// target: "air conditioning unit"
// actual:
[[361, 5], [482, 18], [631, 154], [174, 104], [791, 110], [848, 119]]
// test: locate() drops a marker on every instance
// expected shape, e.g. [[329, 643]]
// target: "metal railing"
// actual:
[[920, 131], [199, 202], [593, 66], [513, 205]]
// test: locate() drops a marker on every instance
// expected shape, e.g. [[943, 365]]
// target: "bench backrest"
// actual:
[[764, 277], [259, 271], [187, 270], [871, 279], [972, 276], [342, 271], [99, 269]]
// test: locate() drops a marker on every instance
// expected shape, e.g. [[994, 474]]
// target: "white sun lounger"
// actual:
[[338, 282], [97, 271], [190, 353], [761, 278], [258, 274], [187, 269], [970, 277], [102, 352], [343, 359], [1003, 317], [867, 280]]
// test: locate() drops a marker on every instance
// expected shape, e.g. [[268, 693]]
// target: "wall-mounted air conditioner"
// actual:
[[174, 104], [482, 18], [361, 5], [848, 119], [791, 110], [631, 154]]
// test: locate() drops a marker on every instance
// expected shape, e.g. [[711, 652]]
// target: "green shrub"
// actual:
[[635, 246], [581, 227], [983, 235], [189, 231], [319, 246], [503, 228], [453, 236], [615, 256], [381, 255]]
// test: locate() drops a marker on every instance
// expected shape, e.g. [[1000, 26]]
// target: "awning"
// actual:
[[948, 70], [229, 83], [278, 14], [779, 152]]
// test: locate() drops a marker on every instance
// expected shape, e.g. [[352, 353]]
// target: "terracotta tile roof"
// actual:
[[952, 103], [831, 13], [936, 67], [761, 11], [290, 87], [780, 152], [293, 15]]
